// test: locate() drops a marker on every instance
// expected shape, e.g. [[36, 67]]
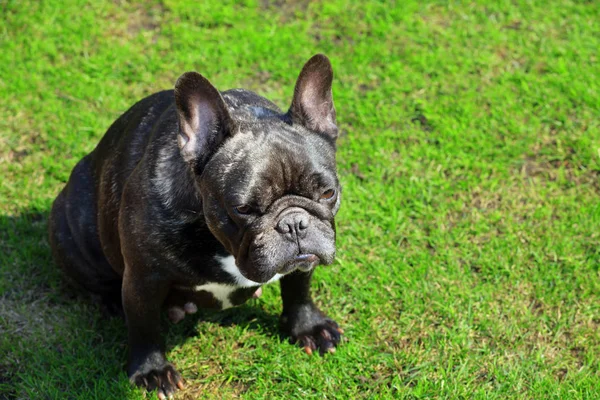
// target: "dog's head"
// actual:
[[267, 179]]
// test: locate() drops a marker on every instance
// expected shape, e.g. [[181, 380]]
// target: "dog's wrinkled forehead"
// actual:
[[268, 158]]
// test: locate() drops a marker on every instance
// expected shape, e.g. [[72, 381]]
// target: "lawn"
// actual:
[[468, 239]]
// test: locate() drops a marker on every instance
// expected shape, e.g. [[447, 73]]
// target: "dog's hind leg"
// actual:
[[74, 239]]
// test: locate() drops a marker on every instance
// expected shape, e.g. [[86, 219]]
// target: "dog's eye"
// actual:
[[243, 209], [328, 195]]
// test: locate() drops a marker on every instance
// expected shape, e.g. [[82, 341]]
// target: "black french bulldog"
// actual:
[[196, 198]]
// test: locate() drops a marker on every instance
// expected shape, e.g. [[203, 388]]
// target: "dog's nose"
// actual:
[[293, 225]]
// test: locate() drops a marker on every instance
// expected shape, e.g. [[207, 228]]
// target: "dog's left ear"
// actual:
[[204, 121], [312, 105]]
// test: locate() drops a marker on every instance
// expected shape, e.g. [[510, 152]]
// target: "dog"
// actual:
[[196, 198]]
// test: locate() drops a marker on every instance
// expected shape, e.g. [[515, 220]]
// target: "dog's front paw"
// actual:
[[311, 329], [164, 379]]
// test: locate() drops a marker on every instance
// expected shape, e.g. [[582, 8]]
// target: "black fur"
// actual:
[[188, 176]]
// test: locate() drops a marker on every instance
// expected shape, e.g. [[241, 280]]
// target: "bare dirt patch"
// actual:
[[287, 9], [146, 18], [551, 160]]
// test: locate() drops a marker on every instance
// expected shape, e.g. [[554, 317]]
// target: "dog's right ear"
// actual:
[[204, 121]]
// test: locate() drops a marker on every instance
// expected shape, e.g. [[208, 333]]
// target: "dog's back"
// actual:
[[76, 221]]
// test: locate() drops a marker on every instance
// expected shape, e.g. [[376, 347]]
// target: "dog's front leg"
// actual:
[[147, 365], [301, 318]]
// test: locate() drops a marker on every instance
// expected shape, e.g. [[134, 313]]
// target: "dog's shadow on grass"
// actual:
[[60, 341], [248, 317]]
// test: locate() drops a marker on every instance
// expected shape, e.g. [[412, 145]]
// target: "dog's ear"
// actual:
[[312, 105], [204, 121]]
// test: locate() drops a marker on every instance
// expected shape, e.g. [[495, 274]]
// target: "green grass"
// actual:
[[469, 240]]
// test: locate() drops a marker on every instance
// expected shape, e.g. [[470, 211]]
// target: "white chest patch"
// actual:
[[221, 291]]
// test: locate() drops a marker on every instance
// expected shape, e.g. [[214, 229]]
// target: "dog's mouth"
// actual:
[[302, 262], [264, 251]]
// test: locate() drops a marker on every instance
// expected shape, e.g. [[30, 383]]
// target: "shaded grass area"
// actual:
[[468, 237]]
